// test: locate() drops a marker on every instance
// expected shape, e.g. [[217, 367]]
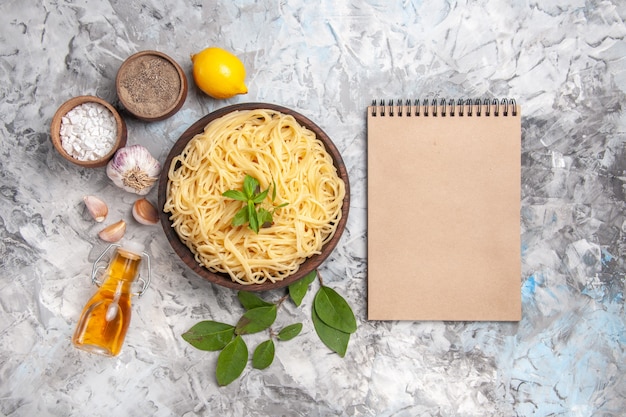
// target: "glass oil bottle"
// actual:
[[105, 318]]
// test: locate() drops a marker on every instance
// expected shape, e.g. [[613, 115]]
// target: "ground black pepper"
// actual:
[[149, 85]]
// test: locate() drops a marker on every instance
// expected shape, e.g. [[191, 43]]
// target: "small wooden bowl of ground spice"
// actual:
[[87, 131], [151, 85]]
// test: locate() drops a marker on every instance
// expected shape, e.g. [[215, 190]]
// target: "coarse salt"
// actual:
[[88, 131]]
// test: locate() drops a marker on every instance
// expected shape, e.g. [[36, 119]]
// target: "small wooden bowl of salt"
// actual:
[[87, 131]]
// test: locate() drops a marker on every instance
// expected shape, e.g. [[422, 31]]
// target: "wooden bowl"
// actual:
[[223, 279], [55, 130], [151, 85]]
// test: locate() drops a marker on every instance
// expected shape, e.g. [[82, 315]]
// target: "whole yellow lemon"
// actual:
[[219, 73]]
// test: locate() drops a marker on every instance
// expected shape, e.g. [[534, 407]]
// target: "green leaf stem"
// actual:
[[332, 317]]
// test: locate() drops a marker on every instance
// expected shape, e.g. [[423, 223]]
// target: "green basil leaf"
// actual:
[[249, 300], [265, 218], [231, 361], [263, 355], [298, 289], [252, 217], [289, 332], [209, 335], [273, 190], [256, 320], [334, 339], [334, 311], [241, 217], [260, 197], [235, 195], [250, 185]]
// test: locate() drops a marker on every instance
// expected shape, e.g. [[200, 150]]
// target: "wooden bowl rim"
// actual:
[[55, 130], [224, 280], [180, 98]]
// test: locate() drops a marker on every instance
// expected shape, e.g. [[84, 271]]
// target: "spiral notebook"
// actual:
[[444, 185]]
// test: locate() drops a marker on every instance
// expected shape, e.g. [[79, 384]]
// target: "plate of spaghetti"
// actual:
[[290, 157]]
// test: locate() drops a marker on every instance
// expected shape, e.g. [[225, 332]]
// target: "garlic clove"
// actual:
[[144, 212], [96, 207], [113, 232]]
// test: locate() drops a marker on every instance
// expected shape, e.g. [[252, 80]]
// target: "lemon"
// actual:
[[219, 73]]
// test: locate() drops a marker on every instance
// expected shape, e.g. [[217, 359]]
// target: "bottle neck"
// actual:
[[123, 268]]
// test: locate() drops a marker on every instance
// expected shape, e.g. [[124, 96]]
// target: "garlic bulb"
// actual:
[[134, 169]]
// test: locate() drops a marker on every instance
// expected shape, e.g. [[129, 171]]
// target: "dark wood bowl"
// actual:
[[223, 279], [55, 128], [154, 104]]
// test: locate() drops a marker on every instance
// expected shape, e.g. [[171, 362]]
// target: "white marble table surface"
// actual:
[[562, 60]]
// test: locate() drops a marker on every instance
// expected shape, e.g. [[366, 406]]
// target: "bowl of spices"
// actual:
[[151, 85], [87, 131]]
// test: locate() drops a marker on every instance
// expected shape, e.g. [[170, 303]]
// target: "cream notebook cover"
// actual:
[[444, 185]]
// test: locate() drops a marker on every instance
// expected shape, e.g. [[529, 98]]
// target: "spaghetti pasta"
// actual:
[[279, 152]]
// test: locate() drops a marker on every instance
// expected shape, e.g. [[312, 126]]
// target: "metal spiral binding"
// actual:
[[442, 108]]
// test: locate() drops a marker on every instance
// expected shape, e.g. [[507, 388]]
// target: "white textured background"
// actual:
[[563, 61]]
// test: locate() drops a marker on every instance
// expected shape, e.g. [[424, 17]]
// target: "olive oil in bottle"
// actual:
[[105, 318]]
